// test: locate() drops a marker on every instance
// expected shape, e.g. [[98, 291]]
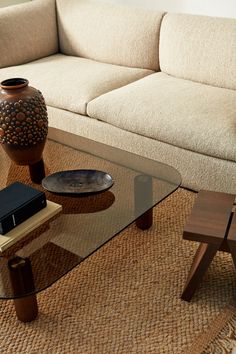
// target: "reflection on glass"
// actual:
[[88, 222]]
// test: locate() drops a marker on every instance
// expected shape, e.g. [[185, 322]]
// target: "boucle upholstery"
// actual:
[[23, 38], [199, 48], [198, 171], [183, 113], [108, 33], [70, 82], [183, 116]]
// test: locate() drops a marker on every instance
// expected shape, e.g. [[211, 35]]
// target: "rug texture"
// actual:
[[125, 298], [225, 341]]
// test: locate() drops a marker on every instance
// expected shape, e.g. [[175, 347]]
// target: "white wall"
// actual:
[[220, 8]]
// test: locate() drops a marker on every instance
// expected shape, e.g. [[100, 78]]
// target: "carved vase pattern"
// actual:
[[23, 121]]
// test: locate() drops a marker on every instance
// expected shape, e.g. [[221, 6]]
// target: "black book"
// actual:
[[19, 202]]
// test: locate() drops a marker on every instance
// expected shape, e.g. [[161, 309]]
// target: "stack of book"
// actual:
[[22, 210]]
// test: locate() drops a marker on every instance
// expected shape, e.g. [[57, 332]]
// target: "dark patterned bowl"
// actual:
[[79, 182]]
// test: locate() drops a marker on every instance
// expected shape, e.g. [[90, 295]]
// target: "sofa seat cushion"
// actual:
[[183, 113], [71, 82]]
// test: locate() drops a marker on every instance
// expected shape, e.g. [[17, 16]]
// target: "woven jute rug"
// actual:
[[225, 341], [125, 298]]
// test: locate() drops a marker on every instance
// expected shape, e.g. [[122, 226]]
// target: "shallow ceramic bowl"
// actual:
[[78, 182]]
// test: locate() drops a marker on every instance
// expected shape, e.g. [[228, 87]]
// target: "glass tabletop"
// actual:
[[86, 222]]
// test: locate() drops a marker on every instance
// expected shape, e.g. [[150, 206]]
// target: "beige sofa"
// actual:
[[160, 85]]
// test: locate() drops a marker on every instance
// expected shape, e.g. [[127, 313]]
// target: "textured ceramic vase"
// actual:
[[23, 122]]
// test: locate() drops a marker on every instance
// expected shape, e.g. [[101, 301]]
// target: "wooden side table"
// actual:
[[213, 224]]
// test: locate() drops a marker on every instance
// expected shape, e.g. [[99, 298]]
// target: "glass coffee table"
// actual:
[[86, 222]]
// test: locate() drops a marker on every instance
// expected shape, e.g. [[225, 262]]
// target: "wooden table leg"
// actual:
[[143, 201], [26, 308], [202, 259], [22, 282], [145, 221]]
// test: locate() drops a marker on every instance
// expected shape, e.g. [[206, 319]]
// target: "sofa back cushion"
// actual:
[[27, 32], [199, 48], [109, 33]]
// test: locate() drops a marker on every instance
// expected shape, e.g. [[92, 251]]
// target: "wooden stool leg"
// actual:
[[231, 239], [232, 247], [202, 259]]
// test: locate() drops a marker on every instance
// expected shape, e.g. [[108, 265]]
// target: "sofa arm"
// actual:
[[27, 32]]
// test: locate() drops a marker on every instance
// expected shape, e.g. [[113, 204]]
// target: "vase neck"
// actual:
[[14, 84]]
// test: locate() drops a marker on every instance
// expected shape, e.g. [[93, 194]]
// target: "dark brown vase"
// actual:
[[23, 124]]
